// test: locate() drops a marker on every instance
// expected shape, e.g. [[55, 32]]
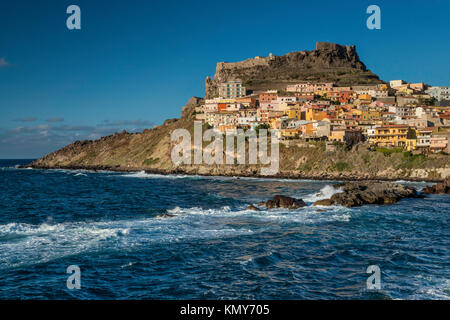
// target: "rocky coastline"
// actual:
[[355, 194], [349, 194], [249, 173], [439, 188]]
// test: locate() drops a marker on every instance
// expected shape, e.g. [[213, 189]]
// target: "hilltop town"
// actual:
[[335, 119], [393, 115]]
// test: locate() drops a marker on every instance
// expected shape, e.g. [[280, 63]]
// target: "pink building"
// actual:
[[439, 143], [417, 86], [309, 87]]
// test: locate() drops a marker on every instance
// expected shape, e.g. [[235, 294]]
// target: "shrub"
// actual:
[[342, 166], [388, 151], [412, 160], [150, 161]]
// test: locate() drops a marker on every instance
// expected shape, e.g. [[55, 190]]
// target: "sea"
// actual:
[[146, 236]]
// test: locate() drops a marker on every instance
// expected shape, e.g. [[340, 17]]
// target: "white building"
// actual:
[[396, 83], [211, 105], [439, 93], [287, 99], [422, 112], [403, 111], [235, 106], [245, 121]]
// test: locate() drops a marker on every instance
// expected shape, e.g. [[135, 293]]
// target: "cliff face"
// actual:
[[328, 63]]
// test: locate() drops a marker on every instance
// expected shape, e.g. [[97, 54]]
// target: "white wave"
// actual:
[[15, 167], [431, 288], [325, 193], [419, 185], [434, 293], [414, 183], [143, 174], [140, 174], [175, 210], [308, 215], [129, 264], [22, 244], [80, 174], [305, 215], [272, 179], [25, 243], [74, 171]]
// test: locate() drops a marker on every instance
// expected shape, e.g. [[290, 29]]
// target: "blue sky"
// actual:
[[136, 63]]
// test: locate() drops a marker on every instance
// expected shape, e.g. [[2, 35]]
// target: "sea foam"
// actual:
[[325, 193]]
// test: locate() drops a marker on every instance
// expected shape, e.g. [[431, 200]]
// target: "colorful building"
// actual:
[[439, 144], [268, 96], [315, 114], [390, 136], [232, 89]]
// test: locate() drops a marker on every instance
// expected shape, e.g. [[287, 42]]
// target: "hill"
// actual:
[[150, 150], [329, 62]]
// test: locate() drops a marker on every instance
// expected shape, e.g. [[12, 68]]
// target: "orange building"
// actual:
[[315, 113], [221, 107], [247, 101], [268, 96], [341, 96], [307, 129]]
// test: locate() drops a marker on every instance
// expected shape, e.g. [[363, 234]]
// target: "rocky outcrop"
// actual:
[[328, 62], [280, 201], [439, 188], [370, 192], [165, 215]]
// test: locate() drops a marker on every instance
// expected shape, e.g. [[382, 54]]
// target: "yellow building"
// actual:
[[288, 133], [293, 113], [223, 100], [405, 90], [314, 114], [308, 129], [411, 144], [357, 112], [274, 123], [337, 135], [370, 114], [391, 136], [365, 98]]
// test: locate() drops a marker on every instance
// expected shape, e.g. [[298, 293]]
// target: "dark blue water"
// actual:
[[213, 248]]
